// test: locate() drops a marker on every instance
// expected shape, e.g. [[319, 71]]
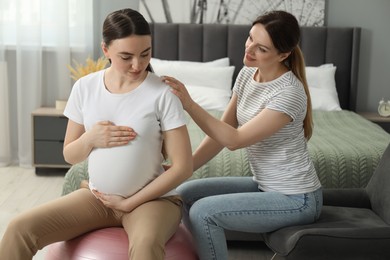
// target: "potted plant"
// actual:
[[79, 70]]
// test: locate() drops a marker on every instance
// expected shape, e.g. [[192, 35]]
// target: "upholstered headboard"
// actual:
[[206, 42]]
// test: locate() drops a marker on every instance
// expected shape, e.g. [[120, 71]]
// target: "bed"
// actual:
[[345, 147]]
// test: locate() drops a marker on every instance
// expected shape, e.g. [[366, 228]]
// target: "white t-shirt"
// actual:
[[280, 162], [148, 109]]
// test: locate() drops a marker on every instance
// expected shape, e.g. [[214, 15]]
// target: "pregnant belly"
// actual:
[[123, 170]]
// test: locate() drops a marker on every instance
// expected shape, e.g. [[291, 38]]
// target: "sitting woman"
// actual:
[[269, 115], [128, 185]]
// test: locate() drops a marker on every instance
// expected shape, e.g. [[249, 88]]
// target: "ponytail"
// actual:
[[296, 63]]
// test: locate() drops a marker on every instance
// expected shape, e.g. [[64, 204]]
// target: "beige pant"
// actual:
[[149, 226]]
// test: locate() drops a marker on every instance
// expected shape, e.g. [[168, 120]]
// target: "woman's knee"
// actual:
[[20, 233], [20, 225], [186, 191], [201, 212], [193, 190]]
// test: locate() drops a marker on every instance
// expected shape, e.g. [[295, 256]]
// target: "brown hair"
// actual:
[[123, 23], [283, 28]]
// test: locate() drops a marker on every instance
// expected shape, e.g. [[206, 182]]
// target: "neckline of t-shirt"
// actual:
[[272, 82], [131, 92]]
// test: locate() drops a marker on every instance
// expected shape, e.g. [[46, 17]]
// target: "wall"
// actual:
[[374, 19], [372, 16]]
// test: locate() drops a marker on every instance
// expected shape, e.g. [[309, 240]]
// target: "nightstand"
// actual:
[[384, 122], [49, 127]]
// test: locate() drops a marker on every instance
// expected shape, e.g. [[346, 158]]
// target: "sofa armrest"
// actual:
[[352, 197]]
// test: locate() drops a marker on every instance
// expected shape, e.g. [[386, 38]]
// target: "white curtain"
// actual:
[[5, 148], [38, 38]]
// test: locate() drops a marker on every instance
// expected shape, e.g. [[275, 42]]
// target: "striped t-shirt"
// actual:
[[280, 162]]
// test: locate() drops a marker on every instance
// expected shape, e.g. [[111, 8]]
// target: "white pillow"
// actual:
[[322, 87], [213, 77], [210, 98], [223, 62], [208, 83]]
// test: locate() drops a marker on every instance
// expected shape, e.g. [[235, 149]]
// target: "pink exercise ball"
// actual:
[[112, 243]]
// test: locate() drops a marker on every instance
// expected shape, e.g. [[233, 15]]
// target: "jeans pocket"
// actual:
[[300, 198]]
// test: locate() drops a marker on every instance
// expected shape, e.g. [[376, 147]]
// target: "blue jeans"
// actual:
[[212, 205]]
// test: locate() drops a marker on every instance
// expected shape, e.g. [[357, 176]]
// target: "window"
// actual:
[[45, 22]]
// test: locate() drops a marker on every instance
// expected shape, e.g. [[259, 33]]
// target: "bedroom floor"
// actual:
[[21, 189]]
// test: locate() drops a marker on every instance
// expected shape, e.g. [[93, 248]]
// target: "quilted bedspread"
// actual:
[[345, 149]]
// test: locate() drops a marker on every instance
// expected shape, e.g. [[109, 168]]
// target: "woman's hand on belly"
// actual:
[[105, 134], [116, 202]]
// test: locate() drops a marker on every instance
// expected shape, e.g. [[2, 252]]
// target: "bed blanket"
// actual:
[[345, 148]]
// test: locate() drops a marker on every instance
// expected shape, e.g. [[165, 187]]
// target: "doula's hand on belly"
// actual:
[[106, 134]]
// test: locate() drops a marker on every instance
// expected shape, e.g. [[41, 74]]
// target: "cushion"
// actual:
[[349, 224], [75, 175], [214, 77], [208, 83], [322, 87], [210, 98]]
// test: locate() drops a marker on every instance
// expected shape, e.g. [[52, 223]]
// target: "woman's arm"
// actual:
[[258, 128], [79, 143], [208, 148], [178, 148]]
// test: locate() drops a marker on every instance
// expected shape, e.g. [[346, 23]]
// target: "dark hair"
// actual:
[[284, 30], [123, 23]]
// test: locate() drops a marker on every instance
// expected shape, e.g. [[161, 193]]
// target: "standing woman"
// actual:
[[128, 185], [270, 115]]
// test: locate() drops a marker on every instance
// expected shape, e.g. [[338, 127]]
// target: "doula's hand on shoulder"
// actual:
[[106, 134], [179, 90]]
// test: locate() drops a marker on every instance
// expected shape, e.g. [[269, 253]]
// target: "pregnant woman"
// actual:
[[128, 186]]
